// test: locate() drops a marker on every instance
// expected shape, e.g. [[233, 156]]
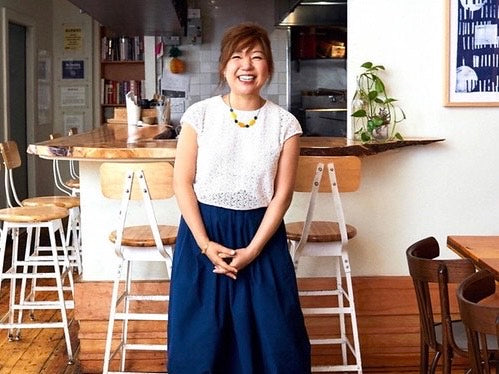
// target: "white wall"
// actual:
[[67, 15], [441, 189]]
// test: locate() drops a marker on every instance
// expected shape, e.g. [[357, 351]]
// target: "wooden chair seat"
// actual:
[[141, 236], [33, 214], [67, 202], [320, 231], [72, 183]]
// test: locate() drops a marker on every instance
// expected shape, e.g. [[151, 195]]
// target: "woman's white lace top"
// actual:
[[236, 167]]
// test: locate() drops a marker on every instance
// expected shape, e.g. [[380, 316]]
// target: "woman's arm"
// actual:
[[183, 179], [283, 193]]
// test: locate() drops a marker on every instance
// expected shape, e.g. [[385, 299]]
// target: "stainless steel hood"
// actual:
[[317, 13], [137, 17]]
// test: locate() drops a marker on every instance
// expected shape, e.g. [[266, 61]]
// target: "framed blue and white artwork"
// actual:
[[472, 77]]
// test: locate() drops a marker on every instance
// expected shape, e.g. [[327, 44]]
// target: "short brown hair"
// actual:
[[240, 37]]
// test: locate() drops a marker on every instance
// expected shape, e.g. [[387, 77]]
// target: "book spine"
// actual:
[[123, 49]]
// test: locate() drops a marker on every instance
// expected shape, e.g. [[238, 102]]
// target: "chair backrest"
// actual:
[[480, 319], [425, 269], [159, 177], [11, 160], [347, 170], [343, 175], [137, 181], [10, 154]]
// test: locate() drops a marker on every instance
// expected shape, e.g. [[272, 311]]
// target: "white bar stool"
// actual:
[[55, 257], [71, 185], [49, 217], [12, 160], [137, 243], [329, 239]]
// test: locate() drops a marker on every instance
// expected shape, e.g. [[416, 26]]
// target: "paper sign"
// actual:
[[73, 69], [73, 39], [73, 96]]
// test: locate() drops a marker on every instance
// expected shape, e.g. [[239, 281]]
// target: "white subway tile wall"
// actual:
[[202, 69]]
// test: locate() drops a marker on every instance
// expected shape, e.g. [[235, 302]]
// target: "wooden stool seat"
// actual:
[[33, 214], [67, 202], [141, 236], [320, 231]]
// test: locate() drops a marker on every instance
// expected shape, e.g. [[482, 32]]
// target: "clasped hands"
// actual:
[[228, 261]]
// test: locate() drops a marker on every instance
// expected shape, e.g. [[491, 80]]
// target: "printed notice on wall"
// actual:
[[73, 38], [73, 96]]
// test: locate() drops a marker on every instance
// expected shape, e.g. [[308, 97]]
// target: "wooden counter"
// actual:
[[117, 141]]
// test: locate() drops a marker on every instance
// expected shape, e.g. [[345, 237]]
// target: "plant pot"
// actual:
[[380, 133]]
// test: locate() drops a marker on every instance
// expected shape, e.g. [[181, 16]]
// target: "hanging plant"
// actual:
[[375, 115], [177, 65]]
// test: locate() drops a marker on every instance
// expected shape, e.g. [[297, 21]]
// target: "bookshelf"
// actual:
[[122, 70]]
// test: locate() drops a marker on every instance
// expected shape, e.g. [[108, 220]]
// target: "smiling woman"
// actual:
[[235, 166]]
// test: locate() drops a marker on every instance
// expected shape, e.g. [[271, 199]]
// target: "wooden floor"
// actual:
[[44, 350], [38, 350]]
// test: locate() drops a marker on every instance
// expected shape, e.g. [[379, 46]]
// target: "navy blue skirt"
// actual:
[[252, 325]]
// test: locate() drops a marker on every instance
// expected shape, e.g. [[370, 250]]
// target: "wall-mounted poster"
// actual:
[[73, 96], [472, 77], [73, 69], [73, 38]]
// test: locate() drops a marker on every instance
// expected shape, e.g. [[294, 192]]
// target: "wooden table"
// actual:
[[122, 142], [482, 250]]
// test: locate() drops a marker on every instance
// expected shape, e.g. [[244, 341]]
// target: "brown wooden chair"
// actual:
[[444, 336], [481, 320], [329, 239], [152, 242]]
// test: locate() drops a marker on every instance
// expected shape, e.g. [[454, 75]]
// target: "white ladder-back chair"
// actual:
[[312, 238], [151, 242], [55, 265]]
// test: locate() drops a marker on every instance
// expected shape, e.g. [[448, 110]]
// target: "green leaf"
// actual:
[[378, 84], [377, 122], [399, 136], [372, 95], [365, 137], [370, 125], [366, 65], [379, 101], [359, 113], [390, 100], [379, 67]]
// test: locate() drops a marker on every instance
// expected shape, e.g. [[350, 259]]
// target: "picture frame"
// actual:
[[472, 53]]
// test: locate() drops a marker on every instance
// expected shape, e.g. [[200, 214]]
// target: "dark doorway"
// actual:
[[17, 102]]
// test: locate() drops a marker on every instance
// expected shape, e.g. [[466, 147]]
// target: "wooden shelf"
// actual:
[[118, 76], [112, 62]]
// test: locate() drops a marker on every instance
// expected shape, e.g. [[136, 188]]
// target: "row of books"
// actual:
[[113, 92], [122, 48]]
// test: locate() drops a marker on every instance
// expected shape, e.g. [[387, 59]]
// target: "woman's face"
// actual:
[[247, 71]]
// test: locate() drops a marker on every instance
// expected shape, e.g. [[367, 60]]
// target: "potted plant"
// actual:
[[374, 114]]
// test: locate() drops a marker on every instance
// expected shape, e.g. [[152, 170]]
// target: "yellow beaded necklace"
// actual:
[[233, 115]]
